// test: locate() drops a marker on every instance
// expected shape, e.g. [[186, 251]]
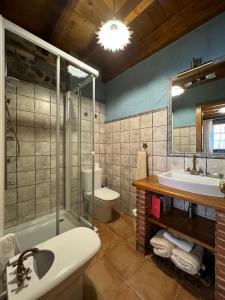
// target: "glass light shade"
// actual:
[[114, 35], [222, 110], [177, 90], [76, 72]]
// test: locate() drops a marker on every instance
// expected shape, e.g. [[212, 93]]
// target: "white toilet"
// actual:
[[104, 199]]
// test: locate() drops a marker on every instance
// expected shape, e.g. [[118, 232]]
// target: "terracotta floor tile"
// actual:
[[132, 241], [122, 227], [124, 259], [183, 294], [127, 293], [101, 281], [152, 284]]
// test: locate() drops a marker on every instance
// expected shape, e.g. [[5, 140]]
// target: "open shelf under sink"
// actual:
[[198, 229]]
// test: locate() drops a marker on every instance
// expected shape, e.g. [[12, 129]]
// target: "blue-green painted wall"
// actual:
[[144, 87]]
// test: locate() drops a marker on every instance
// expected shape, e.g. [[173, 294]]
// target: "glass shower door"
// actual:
[[77, 155]]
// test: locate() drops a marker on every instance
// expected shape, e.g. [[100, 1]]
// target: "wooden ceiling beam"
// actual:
[[133, 9], [128, 13], [62, 21]]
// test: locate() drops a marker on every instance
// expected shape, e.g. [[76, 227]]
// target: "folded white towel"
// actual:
[[161, 246], [9, 247], [188, 262], [181, 243], [141, 165]]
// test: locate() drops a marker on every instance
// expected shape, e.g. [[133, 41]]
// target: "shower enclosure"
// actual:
[[47, 122]]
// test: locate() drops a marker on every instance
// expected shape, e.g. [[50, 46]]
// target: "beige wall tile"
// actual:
[[160, 148], [125, 137], [125, 148], [146, 120], [125, 124], [116, 126], [159, 133], [159, 163], [135, 123], [160, 118], [116, 137], [125, 160], [135, 136], [146, 134]]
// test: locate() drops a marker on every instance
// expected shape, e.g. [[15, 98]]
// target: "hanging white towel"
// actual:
[[181, 243], [9, 247], [141, 165]]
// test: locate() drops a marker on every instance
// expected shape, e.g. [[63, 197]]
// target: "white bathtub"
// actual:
[[36, 231]]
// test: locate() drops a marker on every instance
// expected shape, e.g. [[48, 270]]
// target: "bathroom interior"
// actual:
[[112, 149]]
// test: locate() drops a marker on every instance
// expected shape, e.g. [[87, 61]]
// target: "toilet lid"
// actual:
[[106, 194]]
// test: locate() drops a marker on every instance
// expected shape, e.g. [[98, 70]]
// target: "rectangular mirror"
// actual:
[[197, 110]]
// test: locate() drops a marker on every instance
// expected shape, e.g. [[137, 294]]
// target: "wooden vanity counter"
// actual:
[[152, 184]]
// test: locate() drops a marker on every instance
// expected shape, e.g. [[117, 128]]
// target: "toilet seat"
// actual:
[[106, 194]]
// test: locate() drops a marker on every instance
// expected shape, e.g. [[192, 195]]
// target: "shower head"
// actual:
[[12, 81]]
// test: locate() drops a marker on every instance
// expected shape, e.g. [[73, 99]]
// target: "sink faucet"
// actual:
[[194, 171], [21, 271]]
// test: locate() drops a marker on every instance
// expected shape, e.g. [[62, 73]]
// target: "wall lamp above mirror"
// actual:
[[197, 110]]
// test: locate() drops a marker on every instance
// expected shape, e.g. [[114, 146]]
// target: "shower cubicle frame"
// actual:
[[93, 73]]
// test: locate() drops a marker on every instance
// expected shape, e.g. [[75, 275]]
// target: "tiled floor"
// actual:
[[120, 272]]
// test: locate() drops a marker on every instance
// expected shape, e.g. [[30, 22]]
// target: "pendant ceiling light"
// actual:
[[114, 35]]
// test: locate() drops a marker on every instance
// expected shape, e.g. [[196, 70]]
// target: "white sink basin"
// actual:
[[191, 183]]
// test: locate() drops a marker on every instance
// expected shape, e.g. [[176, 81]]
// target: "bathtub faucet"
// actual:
[[21, 271]]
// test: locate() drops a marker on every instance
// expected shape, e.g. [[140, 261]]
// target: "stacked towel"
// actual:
[[141, 165], [161, 246], [182, 244], [188, 262], [9, 247]]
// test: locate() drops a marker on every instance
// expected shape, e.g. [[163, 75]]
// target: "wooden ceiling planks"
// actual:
[[185, 20], [71, 25]]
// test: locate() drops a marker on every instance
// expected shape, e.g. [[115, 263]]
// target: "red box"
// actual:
[[156, 206]]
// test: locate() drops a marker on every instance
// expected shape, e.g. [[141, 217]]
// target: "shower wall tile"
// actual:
[[43, 148], [25, 118], [26, 193], [42, 93], [26, 178], [43, 204], [35, 120], [11, 197], [42, 189], [26, 163], [26, 133], [12, 98], [25, 103], [27, 148], [42, 107], [25, 89], [43, 121], [26, 211], [10, 213]]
